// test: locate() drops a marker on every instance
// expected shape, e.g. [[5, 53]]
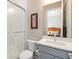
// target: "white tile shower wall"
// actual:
[[15, 44], [22, 3], [16, 18], [16, 31]]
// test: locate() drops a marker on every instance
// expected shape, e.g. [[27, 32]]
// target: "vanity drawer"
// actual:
[[45, 56], [53, 51]]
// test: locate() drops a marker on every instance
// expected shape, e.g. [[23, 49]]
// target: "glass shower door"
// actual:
[[15, 31]]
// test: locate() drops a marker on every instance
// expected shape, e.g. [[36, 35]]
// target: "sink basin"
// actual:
[[55, 42], [58, 43]]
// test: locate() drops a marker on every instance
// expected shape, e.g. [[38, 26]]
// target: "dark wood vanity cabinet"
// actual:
[[46, 52]]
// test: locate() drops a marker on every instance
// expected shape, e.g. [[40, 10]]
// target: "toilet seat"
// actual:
[[26, 55]]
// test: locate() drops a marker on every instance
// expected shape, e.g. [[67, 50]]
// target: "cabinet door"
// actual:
[[45, 56], [58, 58]]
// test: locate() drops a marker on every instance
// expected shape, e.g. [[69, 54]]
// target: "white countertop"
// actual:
[[60, 44]]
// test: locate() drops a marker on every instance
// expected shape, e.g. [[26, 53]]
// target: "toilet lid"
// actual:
[[26, 54]]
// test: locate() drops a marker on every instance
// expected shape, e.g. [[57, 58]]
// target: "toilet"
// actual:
[[28, 54]]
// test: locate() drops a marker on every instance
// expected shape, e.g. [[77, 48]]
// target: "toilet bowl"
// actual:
[[28, 54]]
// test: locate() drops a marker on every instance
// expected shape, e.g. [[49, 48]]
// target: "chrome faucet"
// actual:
[[55, 37]]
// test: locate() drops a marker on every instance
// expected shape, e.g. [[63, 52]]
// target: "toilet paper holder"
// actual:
[[36, 52]]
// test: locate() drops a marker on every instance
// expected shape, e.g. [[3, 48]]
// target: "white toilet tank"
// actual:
[[28, 54], [31, 45]]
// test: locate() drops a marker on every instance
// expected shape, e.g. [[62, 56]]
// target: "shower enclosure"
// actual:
[[16, 30]]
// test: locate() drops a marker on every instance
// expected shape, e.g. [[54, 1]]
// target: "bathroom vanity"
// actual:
[[48, 49]]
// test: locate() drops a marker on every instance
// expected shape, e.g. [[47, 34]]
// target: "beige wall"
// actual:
[[69, 19], [36, 6], [46, 2]]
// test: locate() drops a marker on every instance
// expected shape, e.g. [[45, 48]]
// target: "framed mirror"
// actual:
[[34, 21], [55, 18]]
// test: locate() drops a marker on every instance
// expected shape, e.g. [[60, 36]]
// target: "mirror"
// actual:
[[55, 18]]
